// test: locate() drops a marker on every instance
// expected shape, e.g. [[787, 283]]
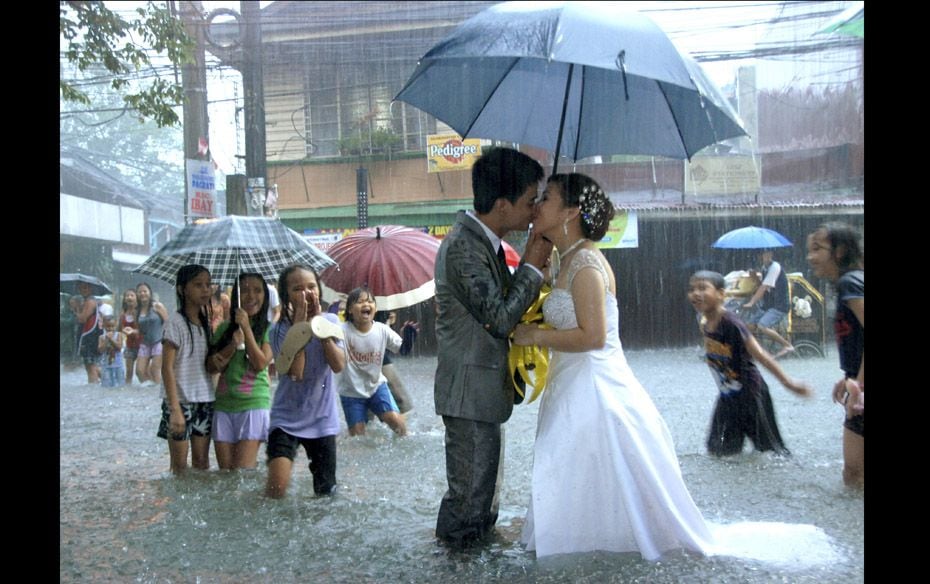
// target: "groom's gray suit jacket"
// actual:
[[474, 289]]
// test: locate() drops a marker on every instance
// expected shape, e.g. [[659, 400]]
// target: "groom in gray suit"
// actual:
[[479, 302]]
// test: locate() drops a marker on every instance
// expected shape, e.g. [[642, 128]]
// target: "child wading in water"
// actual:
[[110, 347], [362, 385], [240, 352], [304, 411], [744, 406], [834, 252], [188, 394]]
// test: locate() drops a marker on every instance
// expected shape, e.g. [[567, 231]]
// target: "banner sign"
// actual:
[[324, 239], [201, 188], [722, 175], [623, 231], [449, 152]]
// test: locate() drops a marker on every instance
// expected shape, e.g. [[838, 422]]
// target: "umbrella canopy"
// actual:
[[574, 78], [396, 263], [751, 238], [69, 284], [230, 245]]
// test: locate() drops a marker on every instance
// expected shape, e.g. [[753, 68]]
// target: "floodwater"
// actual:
[[125, 518]]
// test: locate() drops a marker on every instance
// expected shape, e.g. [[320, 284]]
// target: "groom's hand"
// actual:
[[538, 250]]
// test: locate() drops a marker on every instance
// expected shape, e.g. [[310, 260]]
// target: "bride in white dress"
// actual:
[[605, 472]]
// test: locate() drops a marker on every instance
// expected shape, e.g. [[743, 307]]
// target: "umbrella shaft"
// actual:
[[558, 142]]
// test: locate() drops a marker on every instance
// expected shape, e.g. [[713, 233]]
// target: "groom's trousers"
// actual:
[[474, 451]]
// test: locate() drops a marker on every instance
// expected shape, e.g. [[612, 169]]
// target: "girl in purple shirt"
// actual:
[[304, 411]]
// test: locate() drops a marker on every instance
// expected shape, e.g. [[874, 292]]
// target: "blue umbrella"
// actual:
[[751, 238], [574, 78]]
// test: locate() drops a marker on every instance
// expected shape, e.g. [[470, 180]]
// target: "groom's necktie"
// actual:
[[502, 260]]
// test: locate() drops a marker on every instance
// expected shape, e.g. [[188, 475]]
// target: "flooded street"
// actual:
[[124, 518]]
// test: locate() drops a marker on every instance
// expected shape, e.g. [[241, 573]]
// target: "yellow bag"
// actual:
[[526, 359]]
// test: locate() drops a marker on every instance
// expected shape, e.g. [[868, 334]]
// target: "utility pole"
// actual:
[[194, 80], [253, 82]]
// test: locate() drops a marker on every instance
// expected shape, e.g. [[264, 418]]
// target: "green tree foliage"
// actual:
[[146, 156], [95, 36]]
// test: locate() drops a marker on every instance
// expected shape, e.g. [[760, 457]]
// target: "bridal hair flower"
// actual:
[[591, 201]]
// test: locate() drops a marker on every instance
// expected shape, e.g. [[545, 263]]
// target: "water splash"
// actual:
[[799, 546]]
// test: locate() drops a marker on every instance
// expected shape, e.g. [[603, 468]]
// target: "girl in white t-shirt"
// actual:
[[188, 393], [362, 385]]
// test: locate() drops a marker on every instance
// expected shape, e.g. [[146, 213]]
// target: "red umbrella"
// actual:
[[511, 256], [396, 263]]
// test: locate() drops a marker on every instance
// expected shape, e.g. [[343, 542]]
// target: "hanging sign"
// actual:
[[722, 175], [201, 188]]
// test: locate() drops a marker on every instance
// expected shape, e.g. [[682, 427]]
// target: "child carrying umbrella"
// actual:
[[241, 352]]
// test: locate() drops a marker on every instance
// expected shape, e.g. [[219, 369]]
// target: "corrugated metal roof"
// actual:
[[79, 176]]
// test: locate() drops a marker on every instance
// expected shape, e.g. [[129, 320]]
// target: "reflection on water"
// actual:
[[124, 518]]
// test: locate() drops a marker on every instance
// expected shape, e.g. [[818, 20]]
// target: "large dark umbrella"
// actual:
[[69, 284], [577, 79], [230, 245], [396, 263]]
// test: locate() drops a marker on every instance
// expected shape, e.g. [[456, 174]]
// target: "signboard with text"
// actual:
[[622, 233], [722, 175], [449, 152], [201, 188]]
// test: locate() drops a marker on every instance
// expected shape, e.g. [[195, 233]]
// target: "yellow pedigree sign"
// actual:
[[449, 152]]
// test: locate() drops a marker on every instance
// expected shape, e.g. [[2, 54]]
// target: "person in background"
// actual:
[[274, 313], [217, 312], [274, 304], [834, 253], [151, 317], [772, 296], [88, 317], [408, 332], [130, 328], [110, 347], [395, 383], [74, 307], [226, 303]]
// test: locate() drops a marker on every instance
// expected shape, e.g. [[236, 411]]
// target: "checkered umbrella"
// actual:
[[234, 244]]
